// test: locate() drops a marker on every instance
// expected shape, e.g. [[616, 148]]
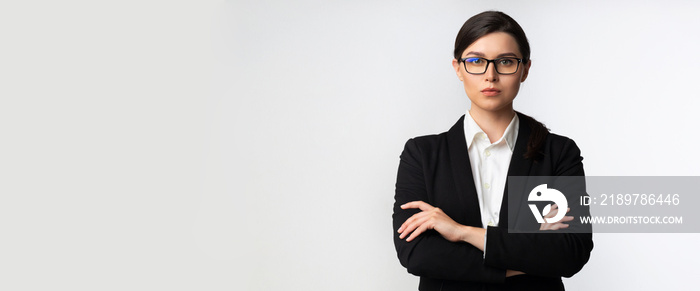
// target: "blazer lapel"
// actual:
[[519, 166], [462, 171]]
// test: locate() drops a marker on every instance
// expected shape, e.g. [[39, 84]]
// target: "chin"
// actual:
[[493, 106]]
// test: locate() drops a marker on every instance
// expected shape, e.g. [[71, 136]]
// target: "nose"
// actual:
[[491, 75]]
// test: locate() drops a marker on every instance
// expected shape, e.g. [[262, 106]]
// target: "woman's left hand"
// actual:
[[430, 218], [559, 224]]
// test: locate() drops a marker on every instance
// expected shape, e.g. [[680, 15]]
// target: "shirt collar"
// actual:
[[472, 131]]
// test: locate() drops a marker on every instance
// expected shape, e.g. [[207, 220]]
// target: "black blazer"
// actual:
[[436, 169]]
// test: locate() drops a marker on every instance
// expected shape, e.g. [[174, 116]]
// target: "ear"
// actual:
[[458, 68], [526, 71]]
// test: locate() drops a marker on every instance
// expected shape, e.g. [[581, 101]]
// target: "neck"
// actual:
[[493, 123]]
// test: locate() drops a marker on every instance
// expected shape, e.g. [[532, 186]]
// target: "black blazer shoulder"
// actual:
[[436, 169], [554, 145]]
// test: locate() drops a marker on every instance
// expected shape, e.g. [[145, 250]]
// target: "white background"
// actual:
[[253, 145]]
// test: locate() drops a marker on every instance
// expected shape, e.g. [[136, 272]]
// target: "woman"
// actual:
[[449, 218]]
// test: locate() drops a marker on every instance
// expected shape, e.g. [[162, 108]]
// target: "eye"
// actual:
[[506, 62], [475, 61]]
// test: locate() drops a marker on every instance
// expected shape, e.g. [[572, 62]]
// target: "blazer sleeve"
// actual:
[[551, 254], [430, 254]]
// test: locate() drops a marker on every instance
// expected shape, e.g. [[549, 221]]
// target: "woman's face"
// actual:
[[492, 91]]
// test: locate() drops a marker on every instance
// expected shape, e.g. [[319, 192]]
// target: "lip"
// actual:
[[491, 91]]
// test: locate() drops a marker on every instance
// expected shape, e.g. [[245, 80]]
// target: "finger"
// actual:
[[411, 220], [408, 228], [551, 213], [413, 225], [557, 225], [403, 225], [423, 227], [555, 210], [417, 204]]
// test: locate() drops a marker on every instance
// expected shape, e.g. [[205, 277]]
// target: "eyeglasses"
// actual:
[[504, 66]]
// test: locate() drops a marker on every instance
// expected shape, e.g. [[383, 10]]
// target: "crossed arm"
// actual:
[[434, 218], [430, 243]]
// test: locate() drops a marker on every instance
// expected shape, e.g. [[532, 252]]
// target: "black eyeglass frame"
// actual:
[[488, 62]]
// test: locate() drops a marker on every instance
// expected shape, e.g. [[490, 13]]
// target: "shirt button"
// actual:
[[491, 223], [487, 185], [495, 213], [487, 153]]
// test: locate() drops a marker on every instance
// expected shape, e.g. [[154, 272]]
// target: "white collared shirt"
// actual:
[[489, 163]]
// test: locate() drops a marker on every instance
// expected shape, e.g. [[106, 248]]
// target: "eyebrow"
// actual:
[[479, 54]]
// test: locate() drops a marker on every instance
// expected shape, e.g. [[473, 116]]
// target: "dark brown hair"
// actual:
[[495, 21], [488, 22], [538, 135]]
